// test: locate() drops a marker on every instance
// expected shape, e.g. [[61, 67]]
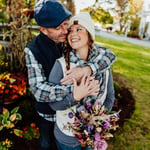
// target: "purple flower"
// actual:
[[80, 109], [89, 106], [106, 125], [70, 115], [97, 136], [100, 144], [83, 127], [90, 128], [82, 120]]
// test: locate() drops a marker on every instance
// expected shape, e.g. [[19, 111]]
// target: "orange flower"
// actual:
[[12, 86], [0, 47]]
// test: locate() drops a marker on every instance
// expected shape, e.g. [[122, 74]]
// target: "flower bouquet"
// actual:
[[93, 125], [12, 86]]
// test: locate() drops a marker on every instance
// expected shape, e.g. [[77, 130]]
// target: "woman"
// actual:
[[81, 50]]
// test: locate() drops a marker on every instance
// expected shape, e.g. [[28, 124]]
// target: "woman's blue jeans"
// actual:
[[64, 147]]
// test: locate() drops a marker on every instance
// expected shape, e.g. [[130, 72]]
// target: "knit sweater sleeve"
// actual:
[[55, 76]]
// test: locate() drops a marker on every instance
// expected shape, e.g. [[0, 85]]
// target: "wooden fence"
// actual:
[[6, 50]]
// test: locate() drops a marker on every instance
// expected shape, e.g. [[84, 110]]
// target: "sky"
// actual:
[[146, 1]]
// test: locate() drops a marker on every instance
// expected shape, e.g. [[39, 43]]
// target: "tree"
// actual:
[[133, 15], [3, 15], [135, 7], [100, 15], [123, 8], [69, 4], [30, 3]]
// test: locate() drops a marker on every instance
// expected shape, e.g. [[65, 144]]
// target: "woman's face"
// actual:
[[78, 37]]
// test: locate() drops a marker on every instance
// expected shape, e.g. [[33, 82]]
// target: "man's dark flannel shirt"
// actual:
[[46, 92]]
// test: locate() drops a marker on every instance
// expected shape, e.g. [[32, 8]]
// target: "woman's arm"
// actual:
[[110, 97], [55, 76], [88, 86]]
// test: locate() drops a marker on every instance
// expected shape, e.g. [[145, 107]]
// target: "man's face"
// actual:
[[57, 34]]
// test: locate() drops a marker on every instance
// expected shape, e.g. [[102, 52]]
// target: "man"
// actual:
[[41, 54]]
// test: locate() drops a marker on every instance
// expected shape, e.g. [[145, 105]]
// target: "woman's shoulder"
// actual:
[[99, 47], [61, 60], [61, 63]]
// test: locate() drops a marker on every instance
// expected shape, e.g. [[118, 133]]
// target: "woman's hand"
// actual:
[[77, 74], [87, 87]]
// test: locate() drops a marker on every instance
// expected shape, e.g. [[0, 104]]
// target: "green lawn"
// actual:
[[133, 66]]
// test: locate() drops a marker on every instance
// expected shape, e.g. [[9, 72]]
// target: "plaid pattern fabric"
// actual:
[[43, 91], [99, 60], [98, 57], [48, 117]]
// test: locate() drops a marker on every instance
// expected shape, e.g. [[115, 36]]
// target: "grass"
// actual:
[[133, 67]]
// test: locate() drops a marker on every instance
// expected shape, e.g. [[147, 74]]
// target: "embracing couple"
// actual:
[[66, 68]]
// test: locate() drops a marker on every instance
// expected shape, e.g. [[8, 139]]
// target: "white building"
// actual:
[[144, 28]]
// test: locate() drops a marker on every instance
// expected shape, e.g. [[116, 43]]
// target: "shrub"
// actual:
[[18, 33], [12, 86], [9, 119], [6, 144], [29, 132]]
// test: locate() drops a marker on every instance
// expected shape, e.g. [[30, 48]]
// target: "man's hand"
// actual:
[[88, 86], [77, 74]]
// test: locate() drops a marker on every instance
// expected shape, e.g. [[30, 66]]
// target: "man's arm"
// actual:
[[101, 60], [42, 90], [85, 88]]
